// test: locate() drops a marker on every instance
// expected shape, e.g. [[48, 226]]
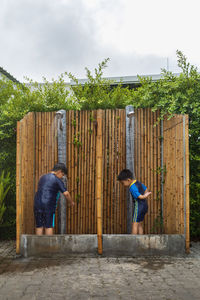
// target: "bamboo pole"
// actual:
[[99, 180], [182, 167], [69, 141], [159, 138], [118, 150], [72, 208], [87, 173], [76, 133], [187, 200], [105, 174], [115, 198], [23, 157], [94, 171], [78, 174], [112, 170], [18, 190], [25, 175], [109, 172], [149, 165], [84, 170], [145, 154], [31, 173], [106, 171], [90, 169], [123, 165]]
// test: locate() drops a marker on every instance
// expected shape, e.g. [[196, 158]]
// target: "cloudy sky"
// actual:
[[48, 37]]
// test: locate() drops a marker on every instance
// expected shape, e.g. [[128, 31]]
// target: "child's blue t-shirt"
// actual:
[[134, 189]]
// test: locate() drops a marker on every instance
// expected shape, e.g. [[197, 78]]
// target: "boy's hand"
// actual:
[[72, 203], [147, 194], [68, 197]]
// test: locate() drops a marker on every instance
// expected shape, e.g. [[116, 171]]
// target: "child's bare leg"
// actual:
[[39, 231], [135, 228], [49, 231], [140, 228]]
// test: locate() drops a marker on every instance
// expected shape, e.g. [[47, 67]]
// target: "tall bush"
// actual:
[[4, 188]]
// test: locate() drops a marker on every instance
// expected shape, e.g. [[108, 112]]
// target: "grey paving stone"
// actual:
[[99, 277]]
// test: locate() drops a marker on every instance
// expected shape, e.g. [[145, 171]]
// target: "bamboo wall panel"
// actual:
[[36, 155], [148, 163], [173, 209], [114, 160], [81, 163], [81, 142]]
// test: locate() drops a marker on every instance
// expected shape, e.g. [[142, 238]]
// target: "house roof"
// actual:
[[8, 75], [125, 80]]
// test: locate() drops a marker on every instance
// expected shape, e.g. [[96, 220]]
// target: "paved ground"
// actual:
[[99, 277]]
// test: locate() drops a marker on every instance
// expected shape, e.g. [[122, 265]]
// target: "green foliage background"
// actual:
[[171, 95]]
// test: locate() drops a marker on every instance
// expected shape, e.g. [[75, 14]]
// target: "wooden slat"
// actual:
[[181, 167], [87, 171], [159, 139], [91, 133], [18, 188], [119, 200], [99, 180], [69, 142], [187, 200], [149, 165], [30, 172], [82, 168], [105, 141], [123, 162], [94, 171], [78, 174], [76, 133], [23, 175]]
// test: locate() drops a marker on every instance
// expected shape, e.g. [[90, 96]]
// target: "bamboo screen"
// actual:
[[148, 164], [81, 163], [37, 152]]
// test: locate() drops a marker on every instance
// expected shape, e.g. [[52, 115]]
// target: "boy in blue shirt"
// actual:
[[46, 198], [139, 194]]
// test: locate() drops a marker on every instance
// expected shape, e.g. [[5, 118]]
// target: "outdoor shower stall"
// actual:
[[95, 145]]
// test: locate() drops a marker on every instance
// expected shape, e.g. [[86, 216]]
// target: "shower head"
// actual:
[[130, 114], [59, 114]]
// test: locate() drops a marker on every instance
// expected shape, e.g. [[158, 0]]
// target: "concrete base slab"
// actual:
[[46, 246], [143, 245], [113, 245]]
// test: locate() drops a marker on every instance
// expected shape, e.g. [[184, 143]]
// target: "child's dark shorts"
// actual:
[[140, 210], [44, 219]]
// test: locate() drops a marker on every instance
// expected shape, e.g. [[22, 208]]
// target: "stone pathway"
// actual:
[[171, 278]]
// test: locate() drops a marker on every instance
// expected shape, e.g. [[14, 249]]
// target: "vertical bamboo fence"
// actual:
[[83, 144], [95, 154], [148, 165]]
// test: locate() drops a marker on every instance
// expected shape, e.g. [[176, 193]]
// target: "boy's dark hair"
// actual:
[[60, 167], [124, 175]]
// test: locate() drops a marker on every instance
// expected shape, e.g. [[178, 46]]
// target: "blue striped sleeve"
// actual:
[[134, 191]]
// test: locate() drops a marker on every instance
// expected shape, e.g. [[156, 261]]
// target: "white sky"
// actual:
[[48, 37]]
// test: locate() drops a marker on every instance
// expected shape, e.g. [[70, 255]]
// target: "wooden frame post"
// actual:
[[99, 152]]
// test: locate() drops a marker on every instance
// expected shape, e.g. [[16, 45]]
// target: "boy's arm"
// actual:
[[68, 197], [146, 194]]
